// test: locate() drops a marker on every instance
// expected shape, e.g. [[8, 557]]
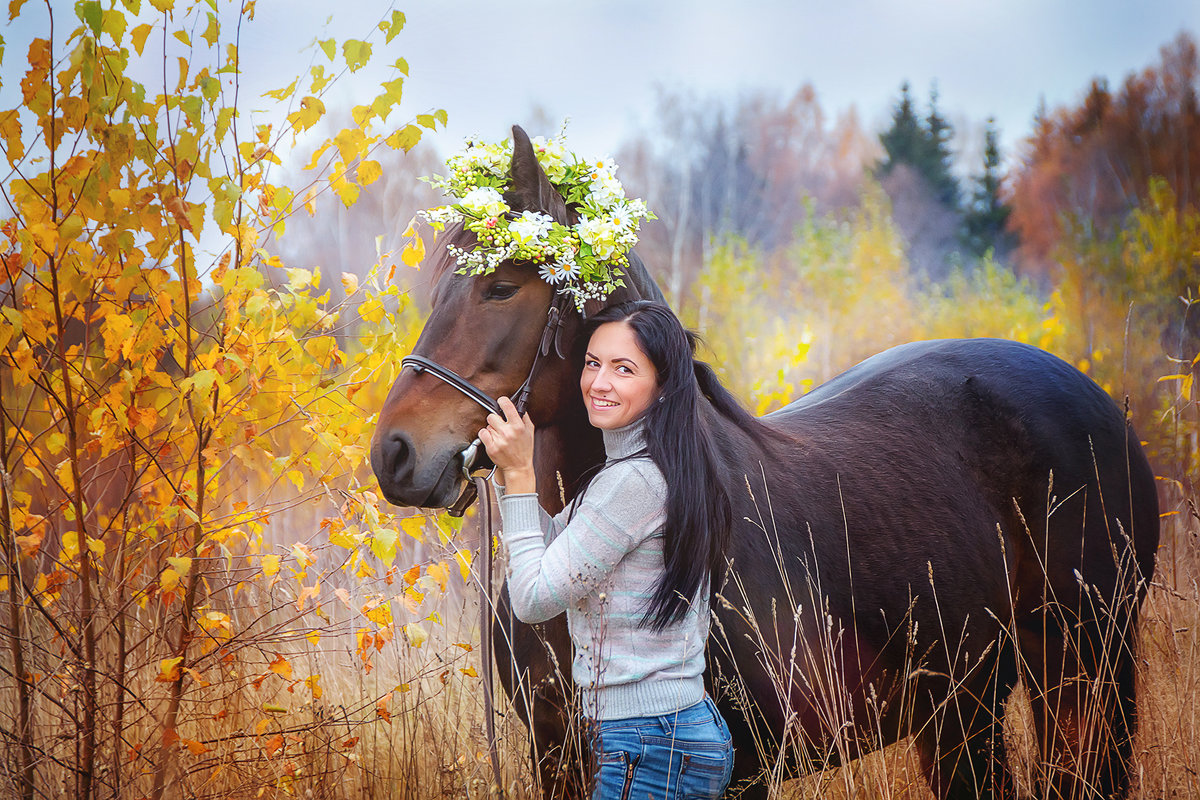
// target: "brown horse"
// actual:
[[915, 536]]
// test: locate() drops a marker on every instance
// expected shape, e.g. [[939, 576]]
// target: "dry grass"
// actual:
[[412, 727], [1167, 746]]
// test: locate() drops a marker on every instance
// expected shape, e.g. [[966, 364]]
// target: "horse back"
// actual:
[[1007, 434]]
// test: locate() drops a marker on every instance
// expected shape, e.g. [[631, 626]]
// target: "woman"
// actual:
[[632, 560]]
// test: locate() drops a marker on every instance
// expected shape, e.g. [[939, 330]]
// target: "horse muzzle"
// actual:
[[431, 482]]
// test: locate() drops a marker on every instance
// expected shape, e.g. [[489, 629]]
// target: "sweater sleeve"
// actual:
[[548, 573], [545, 523]]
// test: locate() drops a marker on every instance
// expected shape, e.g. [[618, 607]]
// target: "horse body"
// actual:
[[942, 506], [911, 538]]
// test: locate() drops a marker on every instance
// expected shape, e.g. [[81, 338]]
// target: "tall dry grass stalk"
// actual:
[[848, 757], [412, 726]]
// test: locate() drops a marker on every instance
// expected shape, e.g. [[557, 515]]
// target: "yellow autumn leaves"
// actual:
[[174, 395]]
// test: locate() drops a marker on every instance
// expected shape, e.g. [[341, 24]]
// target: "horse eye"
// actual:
[[500, 291]]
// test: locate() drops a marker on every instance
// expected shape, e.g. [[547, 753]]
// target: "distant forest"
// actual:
[[1083, 241]]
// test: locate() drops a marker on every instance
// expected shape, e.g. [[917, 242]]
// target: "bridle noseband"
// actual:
[[421, 364]]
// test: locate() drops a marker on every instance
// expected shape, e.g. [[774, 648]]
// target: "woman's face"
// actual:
[[619, 381]]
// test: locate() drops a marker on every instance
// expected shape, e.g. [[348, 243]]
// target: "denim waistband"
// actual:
[[702, 711]]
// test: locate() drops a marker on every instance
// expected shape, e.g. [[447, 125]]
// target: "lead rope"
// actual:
[[478, 488], [483, 491]]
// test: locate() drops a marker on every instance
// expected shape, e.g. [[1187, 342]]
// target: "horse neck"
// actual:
[[740, 453], [566, 449]]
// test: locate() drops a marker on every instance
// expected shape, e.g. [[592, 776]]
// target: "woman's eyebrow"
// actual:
[[590, 354]]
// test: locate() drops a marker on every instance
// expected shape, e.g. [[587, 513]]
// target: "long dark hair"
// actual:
[[678, 440]]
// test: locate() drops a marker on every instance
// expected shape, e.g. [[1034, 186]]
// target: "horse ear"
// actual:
[[529, 188]]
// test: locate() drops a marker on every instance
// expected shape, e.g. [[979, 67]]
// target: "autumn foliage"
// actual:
[[1092, 164], [169, 389], [201, 592]]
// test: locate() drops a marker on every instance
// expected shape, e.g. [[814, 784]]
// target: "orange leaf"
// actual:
[[414, 572], [168, 669], [197, 748], [353, 740], [178, 210], [383, 708], [305, 593], [196, 676], [30, 544], [273, 744], [281, 666]]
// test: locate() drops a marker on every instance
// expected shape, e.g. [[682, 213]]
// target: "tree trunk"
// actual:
[[25, 755]]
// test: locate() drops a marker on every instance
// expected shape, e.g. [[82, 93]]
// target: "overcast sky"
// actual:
[[602, 62]]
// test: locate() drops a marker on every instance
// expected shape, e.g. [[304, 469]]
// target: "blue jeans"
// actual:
[[685, 755]]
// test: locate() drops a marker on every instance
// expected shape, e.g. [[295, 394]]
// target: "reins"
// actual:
[[478, 487]]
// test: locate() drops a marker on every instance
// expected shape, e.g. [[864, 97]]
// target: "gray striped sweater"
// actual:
[[602, 567]]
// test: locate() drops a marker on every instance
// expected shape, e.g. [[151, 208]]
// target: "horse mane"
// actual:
[[642, 281]]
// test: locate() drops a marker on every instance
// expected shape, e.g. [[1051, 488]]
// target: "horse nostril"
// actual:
[[397, 454]]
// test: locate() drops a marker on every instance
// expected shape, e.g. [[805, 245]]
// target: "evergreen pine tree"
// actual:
[[986, 214], [925, 194], [905, 142], [922, 144], [937, 159]]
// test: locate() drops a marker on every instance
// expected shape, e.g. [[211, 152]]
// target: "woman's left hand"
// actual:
[[509, 443]]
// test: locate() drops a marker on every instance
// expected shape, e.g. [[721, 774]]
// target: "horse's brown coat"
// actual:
[[914, 536]]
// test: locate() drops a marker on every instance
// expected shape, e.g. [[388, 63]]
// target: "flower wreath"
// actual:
[[583, 260]]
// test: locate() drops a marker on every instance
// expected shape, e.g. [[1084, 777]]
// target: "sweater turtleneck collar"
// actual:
[[625, 442]]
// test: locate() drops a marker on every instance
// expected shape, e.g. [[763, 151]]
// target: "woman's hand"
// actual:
[[509, 443]]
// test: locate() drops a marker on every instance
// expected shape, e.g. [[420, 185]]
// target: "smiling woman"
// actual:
[[618, 382], [632, 560]]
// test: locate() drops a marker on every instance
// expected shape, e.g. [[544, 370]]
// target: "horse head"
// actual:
[[488, 329]]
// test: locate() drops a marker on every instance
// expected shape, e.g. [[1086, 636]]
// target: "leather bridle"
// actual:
[[421, 364], [477, 486]]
